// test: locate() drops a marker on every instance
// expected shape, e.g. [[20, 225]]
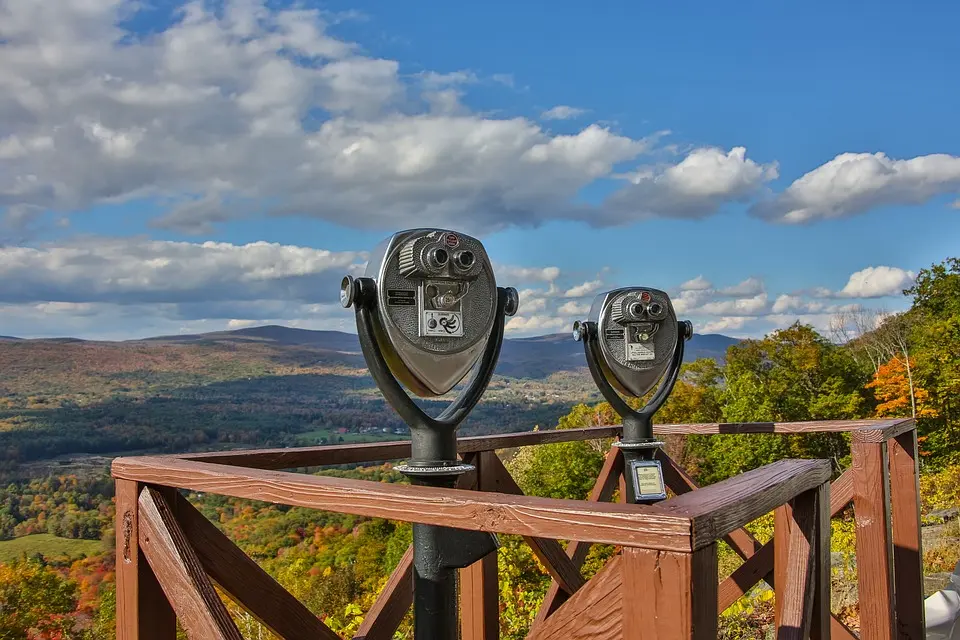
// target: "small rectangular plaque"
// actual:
[[448, 324], [640, 351], [648, 480]]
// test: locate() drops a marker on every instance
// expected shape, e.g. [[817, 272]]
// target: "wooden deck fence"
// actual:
[[662, 583]]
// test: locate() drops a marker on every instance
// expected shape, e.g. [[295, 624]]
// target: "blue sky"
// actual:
[[170, 167]]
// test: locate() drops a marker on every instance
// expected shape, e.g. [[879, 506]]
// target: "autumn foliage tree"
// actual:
[[891, 386]]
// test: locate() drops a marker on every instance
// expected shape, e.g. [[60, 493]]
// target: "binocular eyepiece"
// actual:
[[436, 301], [428, 310], [637, 332]]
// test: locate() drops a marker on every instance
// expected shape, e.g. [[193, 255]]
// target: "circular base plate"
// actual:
[[650, 444], [449, 470]]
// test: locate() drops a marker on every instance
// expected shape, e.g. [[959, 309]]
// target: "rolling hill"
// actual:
[[259, 386], [535, 357]]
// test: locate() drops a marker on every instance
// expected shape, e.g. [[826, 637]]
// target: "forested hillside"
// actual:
[[900, 365], [263, 386]]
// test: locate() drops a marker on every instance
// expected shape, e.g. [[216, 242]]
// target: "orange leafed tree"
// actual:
[[891, 386]]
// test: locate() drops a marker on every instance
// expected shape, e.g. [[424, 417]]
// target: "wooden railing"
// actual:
[[664, 577]]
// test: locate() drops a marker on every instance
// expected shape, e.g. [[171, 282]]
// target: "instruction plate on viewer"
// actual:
[[640, 351], [647, 480]]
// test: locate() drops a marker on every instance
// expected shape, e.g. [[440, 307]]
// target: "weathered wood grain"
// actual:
[[595, 612], [669, 595], [143, 612], [245, 582], [841, 492], [290, 458], [862, 430], [610, 474], [795, 581], [632, 525], [871, 506], [680, 482], [782, 519], [726, 506], [821, 617], [180, 573], [907, 544]]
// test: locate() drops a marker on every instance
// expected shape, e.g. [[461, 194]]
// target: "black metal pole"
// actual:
[[437, 551], [435, 610]]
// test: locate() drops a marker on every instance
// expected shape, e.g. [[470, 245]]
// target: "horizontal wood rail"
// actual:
[[325, 455], [660, 579]]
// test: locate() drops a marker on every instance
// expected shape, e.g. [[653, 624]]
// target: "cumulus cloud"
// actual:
[[877, 282], [695, 188], [507, 273], [574, 308], [136, 270], [751, 306], [723, 324], [535, 324], [110, 321], [562, 112], [853, 183], [584, 289], [696, 284], [750, 287], [248, 109]]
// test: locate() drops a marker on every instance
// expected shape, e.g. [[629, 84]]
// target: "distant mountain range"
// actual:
[[534, 357]]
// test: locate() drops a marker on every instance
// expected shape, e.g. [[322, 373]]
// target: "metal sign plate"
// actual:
[[648, 480]]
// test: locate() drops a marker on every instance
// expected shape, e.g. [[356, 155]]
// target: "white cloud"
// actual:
[[533, 300], [786, 303], [574, 308], [752, 306], [243, 110], [511, 274], [562, 112], [109, 321], [750, 287], [853, 183], [536, 324], [135, 270], [582, 290], [235, 323], [696, 284], [877, 282], [719, 325], [695, 188]]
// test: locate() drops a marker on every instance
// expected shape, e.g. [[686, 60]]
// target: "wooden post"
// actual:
[[479, 587], [143, 612], [822, 622], [871, 504], [907, 546], [669, 595], [782, 519]]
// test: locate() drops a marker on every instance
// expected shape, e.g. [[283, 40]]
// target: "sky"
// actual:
[[181, 167]]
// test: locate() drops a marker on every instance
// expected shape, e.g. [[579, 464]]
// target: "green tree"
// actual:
[[35, 600], [793, 374], [936, 339]]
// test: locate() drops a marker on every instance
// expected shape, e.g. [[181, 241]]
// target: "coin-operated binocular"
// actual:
[[631, 340], [428, 311]]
